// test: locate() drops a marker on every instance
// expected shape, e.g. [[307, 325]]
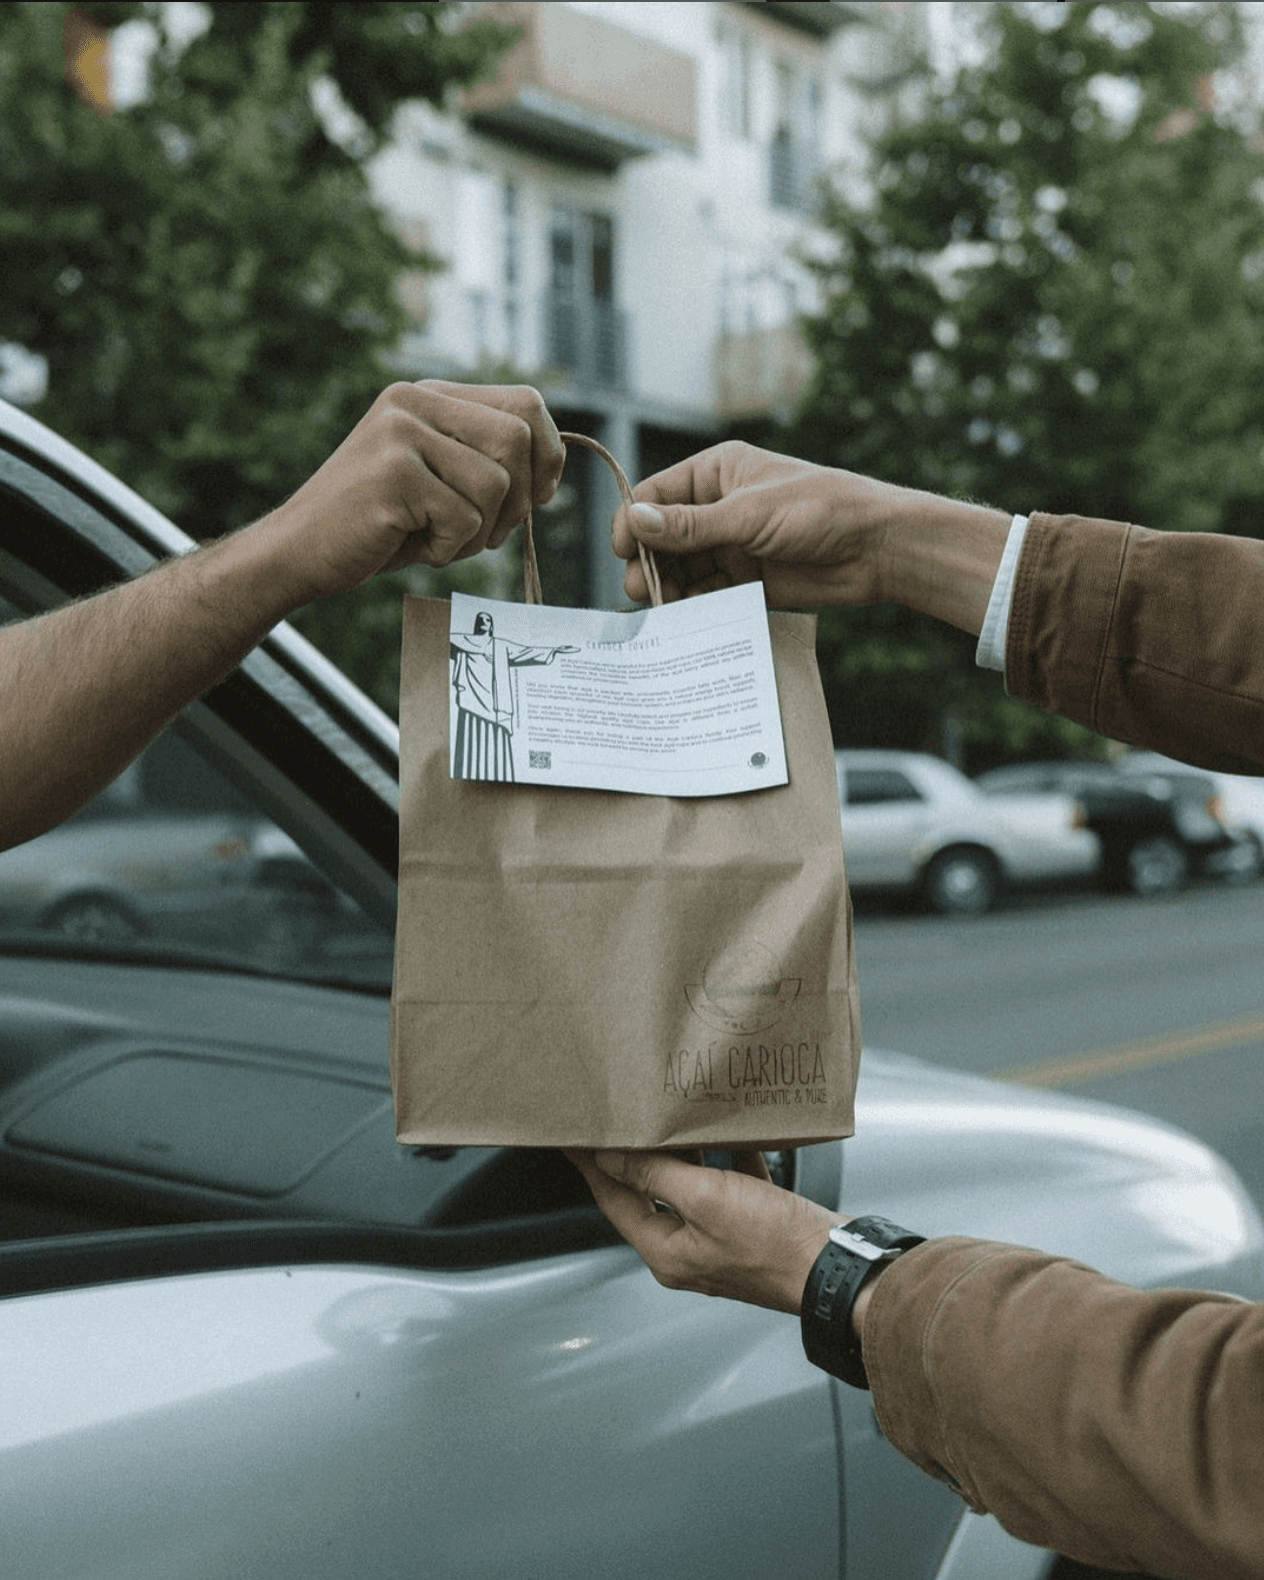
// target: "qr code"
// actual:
[[541, 759]]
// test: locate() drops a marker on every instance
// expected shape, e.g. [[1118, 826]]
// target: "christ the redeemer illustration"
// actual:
[[483, 696]]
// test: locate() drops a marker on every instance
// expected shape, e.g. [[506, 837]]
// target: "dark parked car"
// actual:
[[1231, 798], [246, 1336], [1155, 827]]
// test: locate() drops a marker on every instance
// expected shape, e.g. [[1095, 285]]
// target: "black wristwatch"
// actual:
[[852, 1254]]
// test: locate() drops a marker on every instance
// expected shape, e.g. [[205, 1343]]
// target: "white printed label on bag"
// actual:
[[677, 701]]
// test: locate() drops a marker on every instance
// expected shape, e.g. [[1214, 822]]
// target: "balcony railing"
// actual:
[[792, 171], [586, 339], [761, 371]]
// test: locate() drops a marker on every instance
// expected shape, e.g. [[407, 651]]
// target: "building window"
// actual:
[[812, 123], [601, 232], [794, 155], [562, 222], [478, 323], [511, 234], [583, 327], [511, 258], [735, 84]]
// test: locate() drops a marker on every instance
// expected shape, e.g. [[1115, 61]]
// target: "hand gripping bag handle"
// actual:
[[532, 591]]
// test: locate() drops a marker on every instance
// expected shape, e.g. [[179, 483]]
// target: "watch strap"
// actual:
[[852, 1254]]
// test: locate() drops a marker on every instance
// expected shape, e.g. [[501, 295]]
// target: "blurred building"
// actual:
[[619, 212]]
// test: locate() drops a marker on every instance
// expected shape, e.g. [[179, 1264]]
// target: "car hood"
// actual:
[[946, 1152]]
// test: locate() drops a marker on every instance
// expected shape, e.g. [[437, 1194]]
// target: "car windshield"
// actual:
[[172, 862]]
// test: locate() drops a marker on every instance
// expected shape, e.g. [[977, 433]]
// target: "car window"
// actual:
[[174, 858], [1027, 779], [1015, 781], [874, 786]]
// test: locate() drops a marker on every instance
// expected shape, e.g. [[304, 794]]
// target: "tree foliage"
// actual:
[[1050, 298], [205, 272]]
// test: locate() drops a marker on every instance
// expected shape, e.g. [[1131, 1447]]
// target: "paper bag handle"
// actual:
[[532, 590]]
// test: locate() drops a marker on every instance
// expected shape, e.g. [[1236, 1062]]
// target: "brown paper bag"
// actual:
[[591, 968]]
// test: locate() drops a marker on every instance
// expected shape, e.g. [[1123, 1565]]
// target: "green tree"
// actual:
[[205, 272], [1052, 298]]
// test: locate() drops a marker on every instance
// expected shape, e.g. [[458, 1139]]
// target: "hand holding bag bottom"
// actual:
[[591, 968]]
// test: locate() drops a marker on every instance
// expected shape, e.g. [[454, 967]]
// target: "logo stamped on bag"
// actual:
[[742, 990], [743, 993], [753, 1074]]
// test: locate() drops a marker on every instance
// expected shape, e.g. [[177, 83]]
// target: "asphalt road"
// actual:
[[1154, 1004]]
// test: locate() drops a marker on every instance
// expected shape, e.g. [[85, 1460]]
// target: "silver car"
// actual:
[[248, 1337], [912, 822]]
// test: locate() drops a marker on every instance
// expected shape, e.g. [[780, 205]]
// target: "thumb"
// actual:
[[619, 1165], [685, 529]]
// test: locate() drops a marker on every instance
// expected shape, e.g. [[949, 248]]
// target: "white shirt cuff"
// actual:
[[990, 653]]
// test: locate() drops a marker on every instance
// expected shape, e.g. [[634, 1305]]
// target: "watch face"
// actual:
[[872, 1237], [845, 1237]]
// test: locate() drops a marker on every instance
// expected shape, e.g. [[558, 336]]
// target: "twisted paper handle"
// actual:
[[531, 570]]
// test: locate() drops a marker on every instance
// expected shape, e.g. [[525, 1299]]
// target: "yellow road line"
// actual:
[[1069, 1069]]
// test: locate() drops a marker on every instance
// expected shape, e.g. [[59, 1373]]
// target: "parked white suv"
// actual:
[[912, 822]]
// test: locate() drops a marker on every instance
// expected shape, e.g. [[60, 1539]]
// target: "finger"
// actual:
[[631, 1212], [688, 575], [547, 454], [496, 444], [689, 530], [697, 480], [656, 1176], [693, 481], [715, 582], [446, 494], [633, 525], [454, 497], [637, 586], [604, 1184]]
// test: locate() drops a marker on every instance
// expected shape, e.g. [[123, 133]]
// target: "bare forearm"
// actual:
[[940, 557], [84, 688], [432, 472], [814, 534]]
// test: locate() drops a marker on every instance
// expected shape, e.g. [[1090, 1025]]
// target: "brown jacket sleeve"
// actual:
[[1122, 1427], [1156, 638]]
